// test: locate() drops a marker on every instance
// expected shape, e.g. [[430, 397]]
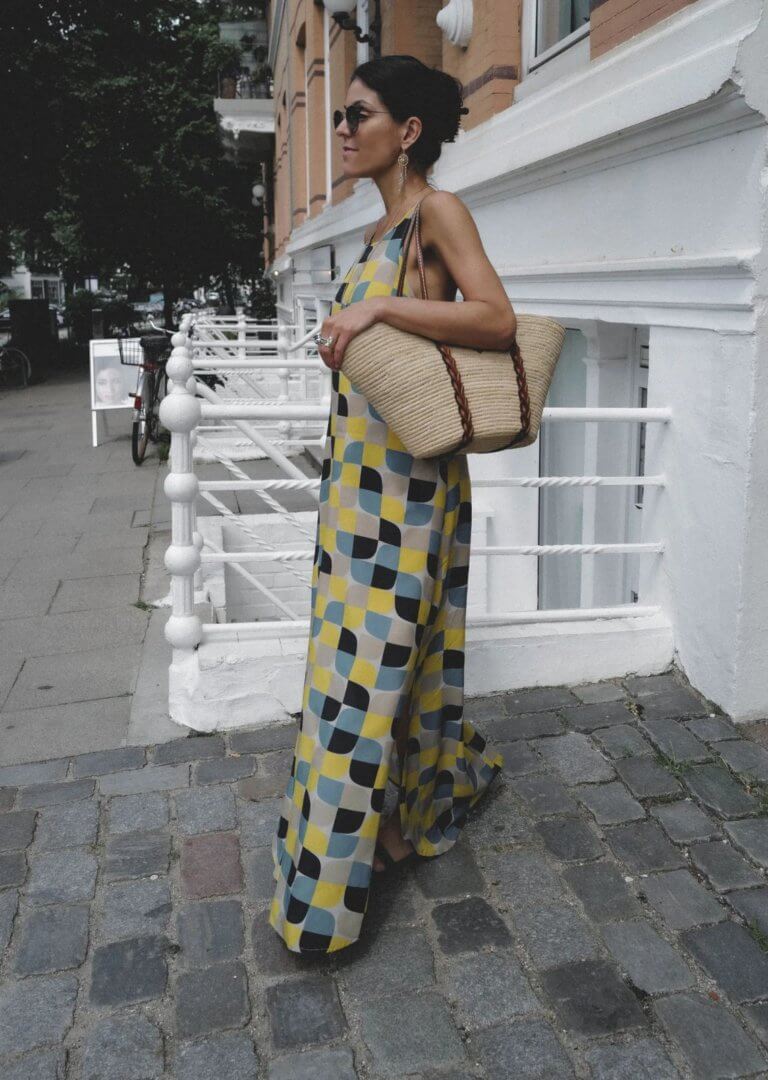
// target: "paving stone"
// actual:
[[641, 686], [481, 710], [752, 905], [525, 1049], [523, 726], [258, 822], [644, 1059], [519, 758], [325, 1064], [137, 854], [575, 759], [278, 763], [106, 761], [711, 728], [757, 1016], [7, 798], [391, 903], [681, 901], [684, 822], [466, 925], [135, 909], [55, 794], [646, 779], [210, 931], [50, 999], [259, 881], [714, 1043], [398, 959], [403, 1041], [590, 998], [210, 865], [131, 970], [454, 874], [13, 868], [751, 837], [544, 795], [594, 693], [678, 702], [603, 891], [191, 748], [554, 934], [611, 804], [258, 788], [150, 778], [212, 998], [37, 773], [732, 957], [75, 825], [138, 813], [224, 770], [56, 680], [61, 877], [569, 839], [39, 1065], [231, 1056], [525, 879], [598, 715], [273, 958], [723, 867], [539, 698], [745, 758], [306, 1011], [715, 787], [622, 741], [262, 740], [644, 847], [651, 963], [203, 810], [487, 988], [16, 829], [123, 1048], [52, 939], [675, 740], [9, 902]]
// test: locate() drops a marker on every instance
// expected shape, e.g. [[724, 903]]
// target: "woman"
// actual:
[[383, 694]]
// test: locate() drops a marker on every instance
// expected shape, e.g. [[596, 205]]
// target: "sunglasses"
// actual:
[[353, 114]]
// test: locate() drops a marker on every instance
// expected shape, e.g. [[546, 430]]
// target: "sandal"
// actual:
[[391, 864]]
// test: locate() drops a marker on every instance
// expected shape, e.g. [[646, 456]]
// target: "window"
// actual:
[[556, 20]]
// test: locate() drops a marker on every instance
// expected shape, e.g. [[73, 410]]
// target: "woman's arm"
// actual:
[[485, 319]]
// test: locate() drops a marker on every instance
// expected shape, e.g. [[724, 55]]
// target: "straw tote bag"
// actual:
[[440, 400]]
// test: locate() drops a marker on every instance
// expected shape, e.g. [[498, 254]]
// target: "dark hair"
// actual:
[[408, 87]]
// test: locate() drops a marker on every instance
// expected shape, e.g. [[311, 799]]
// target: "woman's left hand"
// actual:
[[345, 325]]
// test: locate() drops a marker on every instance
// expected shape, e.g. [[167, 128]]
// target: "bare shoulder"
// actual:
[[443, 214]]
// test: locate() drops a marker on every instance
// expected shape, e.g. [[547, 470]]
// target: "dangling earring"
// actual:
[[402, 161]]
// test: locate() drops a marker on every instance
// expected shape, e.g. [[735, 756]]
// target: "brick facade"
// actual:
[[613, 22]]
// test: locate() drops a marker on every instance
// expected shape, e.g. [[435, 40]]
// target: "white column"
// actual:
[[713, 515]]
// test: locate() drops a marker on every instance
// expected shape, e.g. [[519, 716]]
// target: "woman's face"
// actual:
[[374, 147], [109, 386]]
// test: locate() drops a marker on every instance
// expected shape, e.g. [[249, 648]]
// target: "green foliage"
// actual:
[[111, 155]]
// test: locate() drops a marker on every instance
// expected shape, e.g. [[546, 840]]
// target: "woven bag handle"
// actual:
[[456, 381]]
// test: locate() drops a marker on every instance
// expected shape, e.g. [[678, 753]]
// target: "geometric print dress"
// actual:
[[386, 646]]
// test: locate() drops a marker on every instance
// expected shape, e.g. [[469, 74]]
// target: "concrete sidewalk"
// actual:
[[74, 528]]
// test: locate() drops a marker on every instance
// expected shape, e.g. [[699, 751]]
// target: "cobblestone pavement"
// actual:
[[603, 915]]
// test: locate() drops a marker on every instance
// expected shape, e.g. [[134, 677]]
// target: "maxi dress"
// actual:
[[389, 596]]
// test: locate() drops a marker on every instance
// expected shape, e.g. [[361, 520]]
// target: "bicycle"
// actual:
[[15, 368], [150, 353]]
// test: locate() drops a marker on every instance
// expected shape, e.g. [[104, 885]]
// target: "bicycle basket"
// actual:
[[130, 352], [155, 346]]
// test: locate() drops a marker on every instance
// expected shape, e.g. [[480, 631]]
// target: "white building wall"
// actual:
[[627, 199]]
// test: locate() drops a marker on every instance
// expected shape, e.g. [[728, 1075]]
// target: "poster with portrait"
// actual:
[[113, 384]]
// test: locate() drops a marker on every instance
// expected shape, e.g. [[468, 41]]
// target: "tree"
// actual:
[[115, 157]]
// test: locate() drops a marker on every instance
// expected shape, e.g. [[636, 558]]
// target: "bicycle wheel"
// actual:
[[160, 389], [141, 421], [15, 369]]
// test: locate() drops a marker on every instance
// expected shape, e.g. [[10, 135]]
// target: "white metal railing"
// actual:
[[278, 392]]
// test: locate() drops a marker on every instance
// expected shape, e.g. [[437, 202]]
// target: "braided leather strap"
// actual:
[[459, 393]]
